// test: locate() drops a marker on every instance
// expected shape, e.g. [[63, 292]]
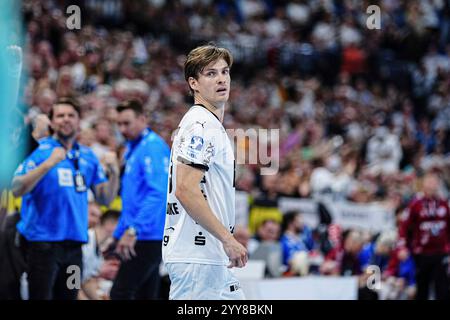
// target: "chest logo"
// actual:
[[65, 177]]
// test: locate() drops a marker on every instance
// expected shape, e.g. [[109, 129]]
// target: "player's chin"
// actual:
[[67, 133], [222, 98]]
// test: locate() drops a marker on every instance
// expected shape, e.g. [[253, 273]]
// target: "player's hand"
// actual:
[[236, 252], [125, 247], [58, 155], [111, 162], [41, 127]]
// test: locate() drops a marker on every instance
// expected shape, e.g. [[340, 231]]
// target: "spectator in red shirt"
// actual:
[[425, 230]]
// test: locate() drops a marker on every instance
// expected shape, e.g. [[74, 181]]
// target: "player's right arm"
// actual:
[[188, 192], [23, 184]]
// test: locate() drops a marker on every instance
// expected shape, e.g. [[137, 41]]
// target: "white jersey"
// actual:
[[200, 141]]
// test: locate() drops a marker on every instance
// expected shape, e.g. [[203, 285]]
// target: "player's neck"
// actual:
[[218, 109]]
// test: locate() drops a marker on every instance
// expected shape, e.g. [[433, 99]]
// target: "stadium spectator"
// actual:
[[289, 59], [265, 245], [143, 191], [54, 181], [296, 242], [425, 233], [101, 228]]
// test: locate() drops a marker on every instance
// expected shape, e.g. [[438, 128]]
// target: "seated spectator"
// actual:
[[400, 277], [344, 259], [265, 245], [268, 230], [378, 251], [95, 267], [296, 238]]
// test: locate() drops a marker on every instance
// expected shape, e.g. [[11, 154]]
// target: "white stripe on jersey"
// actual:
[[202, 141]]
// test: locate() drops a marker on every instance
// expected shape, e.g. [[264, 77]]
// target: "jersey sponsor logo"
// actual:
[[172, 209], [65, 177], [201, 123], [30, 165], [209, 153], [433, 227], [44, 146], [200, 240], [181, 143], [196, 143]]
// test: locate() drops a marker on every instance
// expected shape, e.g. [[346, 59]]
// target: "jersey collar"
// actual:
[[201, 105], [132, 144]]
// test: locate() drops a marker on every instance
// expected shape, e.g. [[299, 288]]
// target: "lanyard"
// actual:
[[73, 156]]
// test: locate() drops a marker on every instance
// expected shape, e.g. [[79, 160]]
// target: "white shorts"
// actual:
[[192, 281]]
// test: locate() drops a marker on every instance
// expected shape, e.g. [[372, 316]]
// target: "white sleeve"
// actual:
[[197, 144]]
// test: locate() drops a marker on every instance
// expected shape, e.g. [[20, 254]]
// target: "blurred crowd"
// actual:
[[362, 113]]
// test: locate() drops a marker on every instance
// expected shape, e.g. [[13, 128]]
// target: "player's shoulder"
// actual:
[[417, 200], [199, 116], [47, 143], [154, 141], [44, 148]]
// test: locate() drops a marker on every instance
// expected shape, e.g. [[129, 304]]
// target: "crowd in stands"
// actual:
[[362, 113]]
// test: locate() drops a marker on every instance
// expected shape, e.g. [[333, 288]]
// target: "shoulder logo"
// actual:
[[201, 123], [44, 146], [196, 143], [30, 165]]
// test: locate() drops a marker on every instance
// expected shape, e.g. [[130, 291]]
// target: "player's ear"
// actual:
[[193, 83]]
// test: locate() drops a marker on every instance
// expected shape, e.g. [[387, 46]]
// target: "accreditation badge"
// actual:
[[80, 184]]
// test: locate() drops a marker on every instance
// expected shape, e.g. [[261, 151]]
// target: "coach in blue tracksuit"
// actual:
[[143, 191], [54, 181]]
